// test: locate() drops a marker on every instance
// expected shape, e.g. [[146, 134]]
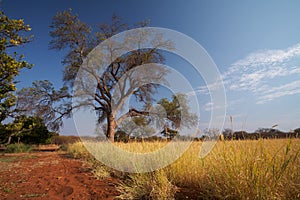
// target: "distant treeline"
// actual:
[[265, 133], [227, 134]]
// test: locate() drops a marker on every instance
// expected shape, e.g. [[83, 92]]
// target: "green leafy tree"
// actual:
[[169, 116], [11, 35], [175, 118], [28, 130], [38, 134]]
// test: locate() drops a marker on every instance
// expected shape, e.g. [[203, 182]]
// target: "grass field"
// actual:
[[249, 169]]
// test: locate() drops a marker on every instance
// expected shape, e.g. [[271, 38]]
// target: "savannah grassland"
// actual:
[[236, 169]]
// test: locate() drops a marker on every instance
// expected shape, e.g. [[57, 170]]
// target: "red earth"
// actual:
[[50, 175]]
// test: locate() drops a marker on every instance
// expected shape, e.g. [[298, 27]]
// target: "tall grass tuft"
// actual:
[[155, 185], [77, 150]]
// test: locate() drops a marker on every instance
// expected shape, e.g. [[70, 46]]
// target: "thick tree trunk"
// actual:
[[111, 127]]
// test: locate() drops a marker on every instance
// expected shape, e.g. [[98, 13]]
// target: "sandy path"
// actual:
[[50, 175]]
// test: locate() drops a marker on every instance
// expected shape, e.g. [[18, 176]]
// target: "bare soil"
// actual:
[[50, 175]]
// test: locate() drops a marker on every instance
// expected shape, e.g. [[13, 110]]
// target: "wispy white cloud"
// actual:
[[205, 89], [259, 73], [208, 106], [276, 92], [266, 57]]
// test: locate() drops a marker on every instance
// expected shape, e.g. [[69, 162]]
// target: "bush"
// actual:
[[64, 140], [4, 134], [18, 148], [28, 130]]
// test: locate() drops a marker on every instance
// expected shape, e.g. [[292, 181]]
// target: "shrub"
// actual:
[[64, 140], [18, 148]]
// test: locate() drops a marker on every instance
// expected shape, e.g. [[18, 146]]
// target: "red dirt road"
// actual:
[[50, 175]]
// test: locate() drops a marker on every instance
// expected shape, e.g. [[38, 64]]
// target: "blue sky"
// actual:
[[255, 45]]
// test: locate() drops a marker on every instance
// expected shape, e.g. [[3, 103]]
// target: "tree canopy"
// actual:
[[177, 114], [11, 35], [43, 100]]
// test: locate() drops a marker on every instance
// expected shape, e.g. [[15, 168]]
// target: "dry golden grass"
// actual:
[[260, 169], [250, 169]]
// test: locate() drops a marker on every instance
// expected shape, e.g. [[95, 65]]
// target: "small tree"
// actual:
[[169, 116], [228, 133], [29, 130], [174, 115]]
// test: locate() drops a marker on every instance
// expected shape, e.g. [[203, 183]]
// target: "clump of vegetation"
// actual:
[[64, 140], [77, 150], [18, 148], [100, 172], [28, 130], [155, 185]]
